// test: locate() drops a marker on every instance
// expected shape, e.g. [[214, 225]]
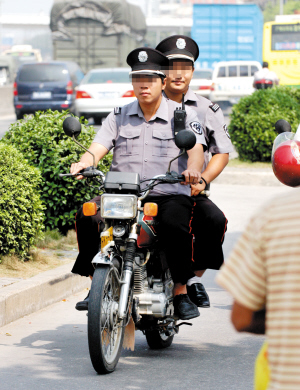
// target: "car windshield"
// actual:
[[101, 77], [43, 73], [202, 74]]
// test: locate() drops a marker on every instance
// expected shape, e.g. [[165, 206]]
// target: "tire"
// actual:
[[157, 340], [98, 120], [105, 336], [19, 116]]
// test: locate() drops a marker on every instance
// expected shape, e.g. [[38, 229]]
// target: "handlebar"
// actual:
[[86, 172]]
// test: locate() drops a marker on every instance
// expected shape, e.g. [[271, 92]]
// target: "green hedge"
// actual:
[[252, 121], [21, 210], [43, 143]]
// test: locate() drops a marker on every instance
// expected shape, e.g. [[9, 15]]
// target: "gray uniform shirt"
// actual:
[[215, 130], [147, 147]]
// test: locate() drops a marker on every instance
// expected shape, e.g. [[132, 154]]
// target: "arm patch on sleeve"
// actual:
[[225, 128], [117, 110], [196, 127], [214, 107]]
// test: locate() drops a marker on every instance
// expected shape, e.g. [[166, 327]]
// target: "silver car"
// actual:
[[101, 90]]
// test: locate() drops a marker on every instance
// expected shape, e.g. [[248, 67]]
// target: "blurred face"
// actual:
[[147, 88], [179, 76]]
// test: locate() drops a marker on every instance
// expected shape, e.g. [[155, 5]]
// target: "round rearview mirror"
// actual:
[[72, 126], [185, 139], [282, 126]]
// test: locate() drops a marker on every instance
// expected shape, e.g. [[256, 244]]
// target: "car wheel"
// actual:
[[19, 116], [98, 120]]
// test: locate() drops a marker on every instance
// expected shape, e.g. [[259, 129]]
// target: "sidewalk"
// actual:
[[21, 297]]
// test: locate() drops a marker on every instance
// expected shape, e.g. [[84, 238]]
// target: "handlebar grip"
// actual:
[[181, 178]]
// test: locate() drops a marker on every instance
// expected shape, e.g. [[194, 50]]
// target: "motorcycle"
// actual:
[[132, 286]]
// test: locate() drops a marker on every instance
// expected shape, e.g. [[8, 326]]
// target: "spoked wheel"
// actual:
[[157, 340], [105, 333]]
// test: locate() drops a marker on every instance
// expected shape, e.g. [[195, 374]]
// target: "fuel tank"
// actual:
[[147, 234]]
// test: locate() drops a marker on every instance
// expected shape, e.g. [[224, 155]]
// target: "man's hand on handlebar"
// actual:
[[77, 167], [192, 176], [197, 188]]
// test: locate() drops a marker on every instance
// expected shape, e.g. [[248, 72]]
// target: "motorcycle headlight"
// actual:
[[118, 206]]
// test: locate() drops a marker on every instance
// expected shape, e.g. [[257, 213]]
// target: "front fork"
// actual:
[[127, 271]]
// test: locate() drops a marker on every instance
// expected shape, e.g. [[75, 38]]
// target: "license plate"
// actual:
[[108, 95], [106, 237], [41, 95]]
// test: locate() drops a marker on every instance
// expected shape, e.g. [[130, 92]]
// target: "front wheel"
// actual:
[[158, 340], [105, 333]]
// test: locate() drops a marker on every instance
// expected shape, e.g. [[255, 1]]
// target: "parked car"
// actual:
[[201, 82], [232, 80], [43, 85], [101, 91]]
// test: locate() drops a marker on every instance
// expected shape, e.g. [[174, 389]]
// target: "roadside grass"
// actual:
[[49, 253], [236, 163]]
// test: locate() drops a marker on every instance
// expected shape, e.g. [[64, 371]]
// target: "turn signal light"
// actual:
[[150, 209], [82, 95], [89, 209], [212, 87], [129, 94]]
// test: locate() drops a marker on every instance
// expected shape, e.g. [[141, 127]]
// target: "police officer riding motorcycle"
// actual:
[[114, 229]]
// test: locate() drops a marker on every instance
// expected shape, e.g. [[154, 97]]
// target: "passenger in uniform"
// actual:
[[142, 135], [209, 223]]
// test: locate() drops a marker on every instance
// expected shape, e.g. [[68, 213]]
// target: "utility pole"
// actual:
[[280, 7]]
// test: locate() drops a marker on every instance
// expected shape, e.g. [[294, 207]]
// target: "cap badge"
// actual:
[[143, 56], [180, 43]]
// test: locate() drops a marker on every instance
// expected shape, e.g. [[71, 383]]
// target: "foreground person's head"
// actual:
[[148, 67]]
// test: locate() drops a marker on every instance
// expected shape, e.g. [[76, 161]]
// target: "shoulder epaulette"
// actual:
[[117, 110], [214, 107]]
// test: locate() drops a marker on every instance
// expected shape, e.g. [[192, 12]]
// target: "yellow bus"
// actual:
[[281, 49]]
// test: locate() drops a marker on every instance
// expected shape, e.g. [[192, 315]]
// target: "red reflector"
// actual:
[[204, 87], [82, 95], [129, 94], [69, 88], [64, 105], [15, 89], [19, 106]]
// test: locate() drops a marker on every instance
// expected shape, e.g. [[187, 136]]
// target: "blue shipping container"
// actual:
[[227, 32]]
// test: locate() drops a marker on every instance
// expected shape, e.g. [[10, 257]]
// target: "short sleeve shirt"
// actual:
[[215, 130], [147, 147]]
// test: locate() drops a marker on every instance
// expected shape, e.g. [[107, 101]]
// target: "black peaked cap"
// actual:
[[145, 60], [179, 46]]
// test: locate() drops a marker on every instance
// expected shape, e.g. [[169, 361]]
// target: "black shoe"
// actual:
[[83, 305], [198, 295], [184, 308]]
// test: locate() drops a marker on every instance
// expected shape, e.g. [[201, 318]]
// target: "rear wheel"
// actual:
[[157, 340], [105, 333], [19, 116]]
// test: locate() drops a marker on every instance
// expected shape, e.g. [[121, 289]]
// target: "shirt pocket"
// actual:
[[130, 141], [163, 143]]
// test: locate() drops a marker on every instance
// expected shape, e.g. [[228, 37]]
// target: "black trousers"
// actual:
[[209, 225], [174, 231]]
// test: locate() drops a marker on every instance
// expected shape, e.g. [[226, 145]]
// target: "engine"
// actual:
[[153, 295]]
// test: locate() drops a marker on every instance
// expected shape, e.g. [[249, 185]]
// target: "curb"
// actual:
[[30, 295]]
